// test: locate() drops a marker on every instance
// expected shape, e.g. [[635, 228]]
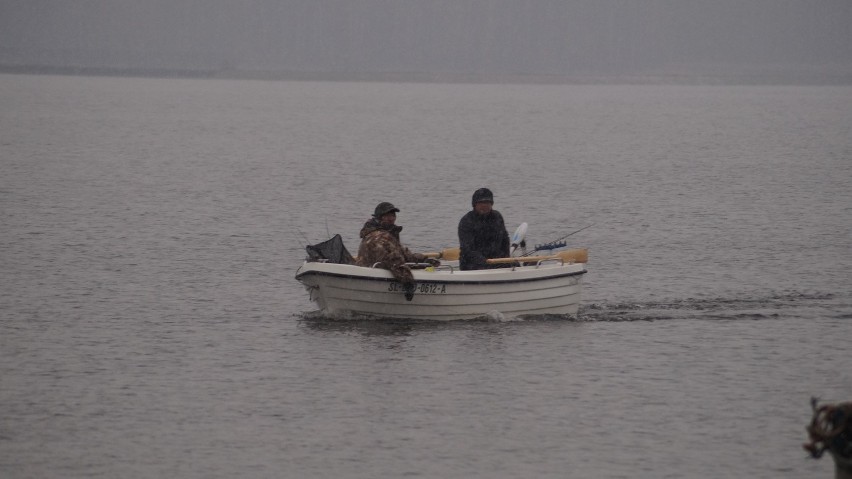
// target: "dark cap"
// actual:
[[384, 208], [482, 194]]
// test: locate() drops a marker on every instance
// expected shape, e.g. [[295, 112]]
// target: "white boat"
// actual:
[[542, 285]]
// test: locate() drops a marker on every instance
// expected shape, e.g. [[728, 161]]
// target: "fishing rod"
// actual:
[[307, 241], [554, 244]]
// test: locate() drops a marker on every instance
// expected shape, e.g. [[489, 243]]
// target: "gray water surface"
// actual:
[[151, 325]]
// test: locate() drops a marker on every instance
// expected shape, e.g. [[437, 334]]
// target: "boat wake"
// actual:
[[766, 307]]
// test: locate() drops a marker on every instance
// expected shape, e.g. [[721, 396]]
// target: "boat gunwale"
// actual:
[[450, 280]]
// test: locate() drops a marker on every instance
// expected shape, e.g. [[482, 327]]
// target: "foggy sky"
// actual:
[[560, 37]]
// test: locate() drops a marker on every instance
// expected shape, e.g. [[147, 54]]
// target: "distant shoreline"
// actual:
[[748, 78]]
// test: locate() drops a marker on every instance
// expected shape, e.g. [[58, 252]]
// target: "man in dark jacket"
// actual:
[[380, 244], [482, 234]]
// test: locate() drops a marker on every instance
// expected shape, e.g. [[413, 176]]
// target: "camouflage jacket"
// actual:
[[380, 244]]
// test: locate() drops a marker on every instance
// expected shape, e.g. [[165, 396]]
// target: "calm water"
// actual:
[[151, 325]]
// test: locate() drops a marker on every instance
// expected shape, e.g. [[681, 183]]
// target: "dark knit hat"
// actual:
[[384, 208], [482, 194]]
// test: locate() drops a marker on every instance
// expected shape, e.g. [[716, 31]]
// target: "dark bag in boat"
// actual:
[[330, 251]]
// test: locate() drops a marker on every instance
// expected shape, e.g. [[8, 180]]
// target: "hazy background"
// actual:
[[741, 41]]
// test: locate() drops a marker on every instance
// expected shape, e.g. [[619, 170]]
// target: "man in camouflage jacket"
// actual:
[[380, 244]]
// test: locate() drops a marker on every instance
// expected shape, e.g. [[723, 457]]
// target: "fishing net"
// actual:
[[330, 251]]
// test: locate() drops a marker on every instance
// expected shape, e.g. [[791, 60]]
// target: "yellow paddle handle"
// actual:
[[448, 254]]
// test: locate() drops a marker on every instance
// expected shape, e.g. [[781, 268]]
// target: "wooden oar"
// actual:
[[448, 254], [575, 255]]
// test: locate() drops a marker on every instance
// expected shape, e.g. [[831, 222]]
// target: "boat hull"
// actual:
[[446, 293]]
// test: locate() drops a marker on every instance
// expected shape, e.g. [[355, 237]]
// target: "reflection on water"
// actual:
[[366, 327]]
